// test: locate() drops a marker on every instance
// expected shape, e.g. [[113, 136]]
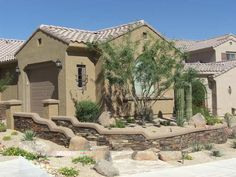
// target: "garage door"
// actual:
[[43, 85]]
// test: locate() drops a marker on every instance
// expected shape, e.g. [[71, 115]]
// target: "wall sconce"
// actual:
[[58, 64], [230, 90], [17, 70]]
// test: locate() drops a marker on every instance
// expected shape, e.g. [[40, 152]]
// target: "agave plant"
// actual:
[[29, 135]]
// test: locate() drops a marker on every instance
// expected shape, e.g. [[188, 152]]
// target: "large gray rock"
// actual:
[[106, 168], [78, 143], [36, 147], [170, 155], [105, 119], [197, 120], [144, 155]]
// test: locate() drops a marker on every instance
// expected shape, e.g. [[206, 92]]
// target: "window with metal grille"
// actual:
[[82, 78]]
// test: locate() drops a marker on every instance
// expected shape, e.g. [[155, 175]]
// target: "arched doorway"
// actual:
[[199, 94]]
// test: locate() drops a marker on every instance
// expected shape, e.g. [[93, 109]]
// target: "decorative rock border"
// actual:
[[120, 139], [45, 129]]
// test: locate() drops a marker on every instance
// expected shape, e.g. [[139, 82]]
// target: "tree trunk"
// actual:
[[180, 106], [189, 111]]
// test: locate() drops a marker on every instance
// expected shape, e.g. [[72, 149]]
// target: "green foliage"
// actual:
[[84, 160], [154, 67], [180, 117], [4, 82], [66, 171], [87, 111], [216, 153], [187, 157], [211, 120], [15, 151], [119, 124], [130, 120], [14, 133], [3, 127], [6, 138], [165, 123], [208, 146], [29, 135], [197, 147], [198, 93], [204, 111]]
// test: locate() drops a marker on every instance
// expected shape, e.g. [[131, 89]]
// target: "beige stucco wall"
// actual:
[[50, 50], [227, 46], [226, 101]]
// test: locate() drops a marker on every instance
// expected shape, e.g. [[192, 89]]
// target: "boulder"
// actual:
[[173, 124], [197, 120], [78, 143], [106, 120], [144, 155], [101, 152], [170, 155], [106, 168], [37, 147]]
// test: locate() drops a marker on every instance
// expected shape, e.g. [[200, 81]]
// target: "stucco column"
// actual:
[[50, 108], [12, 106]]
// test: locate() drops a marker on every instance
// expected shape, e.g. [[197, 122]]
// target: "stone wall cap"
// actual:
[[12, 102], [50, 101]]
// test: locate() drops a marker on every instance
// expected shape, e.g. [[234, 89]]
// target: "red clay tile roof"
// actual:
[[8, 47], [190, 45], [214, 68]]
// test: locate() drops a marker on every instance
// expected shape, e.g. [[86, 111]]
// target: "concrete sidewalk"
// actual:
[[222, 168]]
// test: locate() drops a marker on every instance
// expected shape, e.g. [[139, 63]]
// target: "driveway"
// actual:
[[222, 168]]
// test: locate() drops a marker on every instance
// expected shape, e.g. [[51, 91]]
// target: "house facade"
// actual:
[[55, 63], [215, 61]]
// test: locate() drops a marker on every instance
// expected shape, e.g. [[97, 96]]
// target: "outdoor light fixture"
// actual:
[[229, 90], [17, 70], [58, 64]]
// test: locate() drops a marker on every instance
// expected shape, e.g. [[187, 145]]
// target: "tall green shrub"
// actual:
[[87, 111]]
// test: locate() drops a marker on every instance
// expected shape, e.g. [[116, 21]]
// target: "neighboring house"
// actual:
[[215, 61], [8, 64], [55, 63]]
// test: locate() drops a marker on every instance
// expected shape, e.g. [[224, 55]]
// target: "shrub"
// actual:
[[130, 120], [6, 138], [228, 119], [211, 120], [14, 133], [118, 124], [15, 151], [87, 111], [188, 157], [216, 153], [197, 147], [29, 135], [208, 146], [165, 123], [68, 171], [3, 127], [84, 160]]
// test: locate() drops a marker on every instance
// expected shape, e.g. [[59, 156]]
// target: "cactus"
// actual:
[[180, 106], [189, 110]]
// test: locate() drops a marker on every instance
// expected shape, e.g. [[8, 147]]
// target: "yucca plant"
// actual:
[[29, 135]]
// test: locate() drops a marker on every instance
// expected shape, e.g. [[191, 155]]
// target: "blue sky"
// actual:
[[184, 19]]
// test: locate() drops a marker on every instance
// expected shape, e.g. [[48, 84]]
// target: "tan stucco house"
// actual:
[[55, 63], [215, 60]]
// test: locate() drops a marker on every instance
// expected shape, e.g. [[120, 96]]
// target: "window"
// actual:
[[39, 41], [231, 55], [144, 35], [82, 78]]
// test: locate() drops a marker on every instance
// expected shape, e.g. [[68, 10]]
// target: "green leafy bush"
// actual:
[[3, 127], [130, 120], [66, 171], [84, 160], [197, 147], [87, 111], [208, 146], [118, 124], [188, 157], [6, 138], [216, 153], [16, 151], [14, 133], [29, 135], [211, 120]]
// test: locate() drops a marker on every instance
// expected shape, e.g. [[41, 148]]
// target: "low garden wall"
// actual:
[[45, 129], [120, 139]]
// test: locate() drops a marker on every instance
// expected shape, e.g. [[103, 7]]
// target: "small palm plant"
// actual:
[[29, 135]]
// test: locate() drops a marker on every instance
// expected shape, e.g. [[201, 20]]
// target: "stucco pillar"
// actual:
[[50, 108], [12, 106]]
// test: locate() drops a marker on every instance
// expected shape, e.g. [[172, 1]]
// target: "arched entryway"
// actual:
[[43, 80], [199, 94]]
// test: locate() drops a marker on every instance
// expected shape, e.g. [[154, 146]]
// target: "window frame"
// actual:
[[81, 76]]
